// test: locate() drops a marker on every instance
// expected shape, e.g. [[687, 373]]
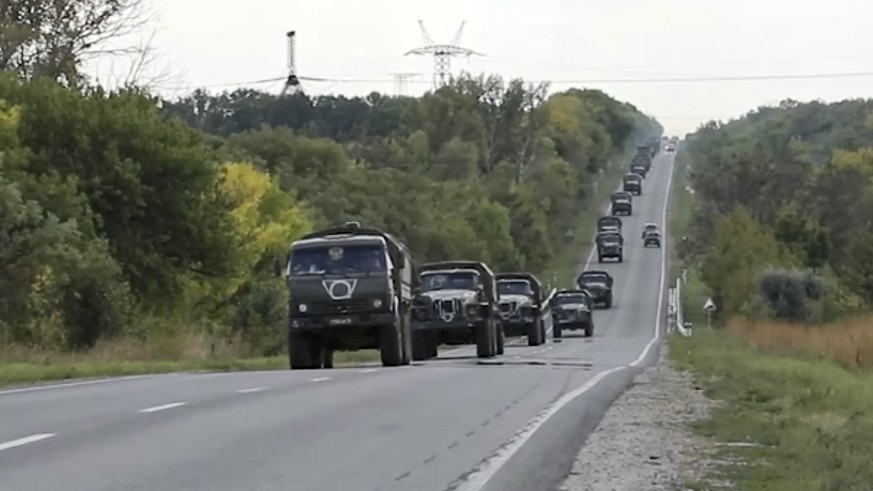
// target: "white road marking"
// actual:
[[250, 390], [369, 370], [162, 407], [478, 479], [320, 379], [25, 441], [71, 384]]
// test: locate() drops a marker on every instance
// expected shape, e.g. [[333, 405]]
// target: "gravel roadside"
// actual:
[[643, 442]]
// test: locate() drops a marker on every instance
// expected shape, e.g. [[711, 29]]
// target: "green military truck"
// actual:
[[350, 289], [520, 306], [456, 304]]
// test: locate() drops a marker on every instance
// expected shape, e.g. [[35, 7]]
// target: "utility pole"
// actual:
[[292, 83], [400, 82], [442, 54]]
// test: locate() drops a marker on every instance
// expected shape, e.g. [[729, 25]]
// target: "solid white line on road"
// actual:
[[320, 379], [369, 370], [162, 407], [25, 441], [71, 384], [489, 468], [478, 479], [250, 390]]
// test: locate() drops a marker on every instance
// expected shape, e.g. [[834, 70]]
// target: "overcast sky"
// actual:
[[614, 45]]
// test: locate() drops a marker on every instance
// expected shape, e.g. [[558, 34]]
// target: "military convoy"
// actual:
[[353, 287], [520, 306]]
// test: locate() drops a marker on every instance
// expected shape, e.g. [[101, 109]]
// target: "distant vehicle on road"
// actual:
[[648, 227], [632, 183], [609, 245], [639, 169], [622, 203], [350, 289], [456, 304], [599, 284], [652, 238], [671, 147], [520, 306], [572, 309]]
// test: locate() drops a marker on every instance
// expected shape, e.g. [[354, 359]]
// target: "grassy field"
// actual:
[[805, 424]]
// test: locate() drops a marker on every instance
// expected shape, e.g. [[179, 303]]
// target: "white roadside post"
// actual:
[[709, 307]]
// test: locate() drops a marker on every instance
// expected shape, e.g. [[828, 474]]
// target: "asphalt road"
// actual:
[[512, 423]]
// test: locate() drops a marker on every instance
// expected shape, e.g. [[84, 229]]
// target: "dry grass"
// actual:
[[848, 342]]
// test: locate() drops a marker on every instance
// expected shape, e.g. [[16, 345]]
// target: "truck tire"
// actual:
[[535, 333], [485, 339], [501, 340], [608, 302], [599, 258], [327, 358], [300, 351], [391, 345], [406, 337], [556, 331], [589, 329], [421, 349]]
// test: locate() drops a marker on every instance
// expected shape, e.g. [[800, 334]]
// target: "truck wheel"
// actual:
[[599, 258], [391, 345], [434, 346], [485, 339], [556, 331], [327, 358], [589, 329], [621, 258], [420, 346], [300, 352], [535, 333], [501, 340], [608, 302], [406, 334]]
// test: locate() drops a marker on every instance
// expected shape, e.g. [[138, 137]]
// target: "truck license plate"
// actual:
[[340, 321]]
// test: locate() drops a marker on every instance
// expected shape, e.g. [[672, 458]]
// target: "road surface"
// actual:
[[512, 423]]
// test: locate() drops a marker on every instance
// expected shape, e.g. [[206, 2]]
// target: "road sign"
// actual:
[[709, 306]]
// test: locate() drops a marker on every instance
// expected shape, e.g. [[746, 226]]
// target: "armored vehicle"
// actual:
[[648, 227], [639, 169], [520, 297], [622, 203], [632, 183], [572, 309], [456, 304], [350, 288], [610, 244], [599, 285], [609, 224]]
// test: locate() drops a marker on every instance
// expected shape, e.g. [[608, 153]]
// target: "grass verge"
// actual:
[[794, 424]]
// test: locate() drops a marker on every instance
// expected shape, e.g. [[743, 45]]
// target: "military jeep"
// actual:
[[456, 304], [572, 309], [350, 289], [632, 183], [520, 306], [622, 203], [599, 284], [609, 245]]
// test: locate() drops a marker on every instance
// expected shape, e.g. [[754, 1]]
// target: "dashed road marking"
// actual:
[[251, 390], [24, 441], [369, 370], [162, 407], [320, 379]]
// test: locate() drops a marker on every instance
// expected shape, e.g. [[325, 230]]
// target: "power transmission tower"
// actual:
[[442, 54], [400, 81], [292, 83]]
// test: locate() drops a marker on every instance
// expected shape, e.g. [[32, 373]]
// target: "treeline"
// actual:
[[783, 218], [123, 215]]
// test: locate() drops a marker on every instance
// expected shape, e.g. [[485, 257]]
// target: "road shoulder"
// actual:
[[645, 441]]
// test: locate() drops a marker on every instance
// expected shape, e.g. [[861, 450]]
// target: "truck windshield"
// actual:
[[514, 287], [593, 278], [338, 259], [449, 281], [571, 299]]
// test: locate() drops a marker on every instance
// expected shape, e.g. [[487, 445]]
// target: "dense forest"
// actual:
[[783, 218], [124, 215]]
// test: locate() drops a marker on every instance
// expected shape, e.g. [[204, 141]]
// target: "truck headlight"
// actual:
[[377, 303], [472, 310], [302, 308]]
